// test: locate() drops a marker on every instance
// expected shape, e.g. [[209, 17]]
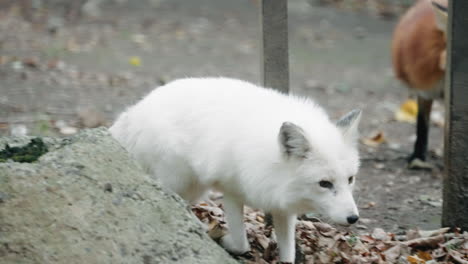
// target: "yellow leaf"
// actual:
[[415, 260], [424, 255], [407, 112], [135, 61]]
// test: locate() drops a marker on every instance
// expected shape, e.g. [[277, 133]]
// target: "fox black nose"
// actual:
[[352, 219]]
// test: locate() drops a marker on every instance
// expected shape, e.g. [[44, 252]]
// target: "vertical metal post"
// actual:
[[274, 42], [455, 191]]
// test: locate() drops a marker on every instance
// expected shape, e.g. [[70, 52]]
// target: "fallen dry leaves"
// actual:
[[319, 242]]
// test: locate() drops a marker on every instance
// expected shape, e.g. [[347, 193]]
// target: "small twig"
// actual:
[[430, 242]]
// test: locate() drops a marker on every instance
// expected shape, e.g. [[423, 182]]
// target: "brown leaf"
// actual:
[[415, 260], [215, 230], [306, 224], [360, 248], [424, 255], [369, 205], [325, 229], [368, 239], [345, 248], [375, 140], [325, 242], [380, 246], [393, 253]]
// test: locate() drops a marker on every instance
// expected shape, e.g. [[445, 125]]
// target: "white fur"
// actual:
[[224, 134]]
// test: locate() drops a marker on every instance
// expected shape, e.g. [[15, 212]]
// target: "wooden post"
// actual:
[[455, 191], [274, 42], [274, 60]]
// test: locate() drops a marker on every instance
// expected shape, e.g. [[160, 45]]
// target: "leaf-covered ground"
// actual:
[[321, 243]]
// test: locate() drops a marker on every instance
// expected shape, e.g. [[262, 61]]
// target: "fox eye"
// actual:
[[326, 184], [351, 179]]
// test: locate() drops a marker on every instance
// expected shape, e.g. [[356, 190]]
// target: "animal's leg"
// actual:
[[418, 159], [236, 240], [285, 229]]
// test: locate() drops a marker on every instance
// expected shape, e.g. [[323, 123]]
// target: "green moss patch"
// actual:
[[28, 153]]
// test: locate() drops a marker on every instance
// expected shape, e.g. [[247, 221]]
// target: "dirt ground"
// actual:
[[56, 76]]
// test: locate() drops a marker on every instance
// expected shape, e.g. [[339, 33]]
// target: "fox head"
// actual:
[[324, 169]]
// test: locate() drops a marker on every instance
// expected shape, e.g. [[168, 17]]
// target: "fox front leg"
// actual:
[[236, 240], [285, 229]]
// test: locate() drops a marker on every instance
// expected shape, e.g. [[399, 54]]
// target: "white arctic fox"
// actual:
[[261, 148]]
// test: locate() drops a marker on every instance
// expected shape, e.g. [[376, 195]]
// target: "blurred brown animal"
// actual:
[[419, 54]]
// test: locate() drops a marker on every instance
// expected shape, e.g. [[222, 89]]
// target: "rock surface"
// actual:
[[86, 201]]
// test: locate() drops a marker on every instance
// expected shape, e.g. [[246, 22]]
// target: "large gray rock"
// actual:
[[86, 201]]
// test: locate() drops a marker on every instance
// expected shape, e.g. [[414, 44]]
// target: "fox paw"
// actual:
[[235, 248]]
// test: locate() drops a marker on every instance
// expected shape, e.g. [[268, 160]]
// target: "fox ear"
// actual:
[[348, 124], [441, 14], [292, 141]]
